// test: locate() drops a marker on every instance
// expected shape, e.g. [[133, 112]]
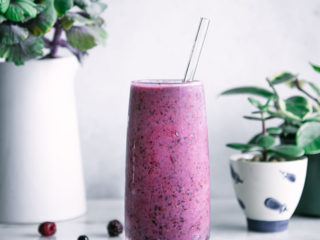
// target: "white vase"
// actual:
[[41, 175], [268, 193]]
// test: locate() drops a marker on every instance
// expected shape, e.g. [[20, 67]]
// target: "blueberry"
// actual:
[[115, 228]]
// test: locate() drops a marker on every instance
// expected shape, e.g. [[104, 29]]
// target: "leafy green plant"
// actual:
[[25, 28], [265, 142], [300, 114]]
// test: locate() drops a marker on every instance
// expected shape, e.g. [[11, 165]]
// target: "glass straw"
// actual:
[[196, 49]]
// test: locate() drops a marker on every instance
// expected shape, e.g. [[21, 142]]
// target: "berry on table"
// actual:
[[83, 237], [115, 228], [47, 229]]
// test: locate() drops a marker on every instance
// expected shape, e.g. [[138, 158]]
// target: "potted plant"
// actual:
[[40, 163], [300, 115], [268, 177]]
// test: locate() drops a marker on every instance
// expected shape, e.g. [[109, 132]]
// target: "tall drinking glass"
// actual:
[[167, 166]]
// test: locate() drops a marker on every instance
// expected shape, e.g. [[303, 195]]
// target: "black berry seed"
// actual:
[[83, 237], [115, 228]]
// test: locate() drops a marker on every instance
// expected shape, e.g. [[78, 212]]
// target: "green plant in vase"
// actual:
[[32, 29], [264, 143], [266, 167], [300, 115], [38, 112]]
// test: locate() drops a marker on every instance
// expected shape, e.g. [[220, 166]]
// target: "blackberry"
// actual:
[[115, 228], [83, 237]]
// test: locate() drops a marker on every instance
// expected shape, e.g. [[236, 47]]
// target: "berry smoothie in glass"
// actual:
[[167, 164]]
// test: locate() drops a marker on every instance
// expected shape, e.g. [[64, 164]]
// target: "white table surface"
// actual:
[[227, 223]]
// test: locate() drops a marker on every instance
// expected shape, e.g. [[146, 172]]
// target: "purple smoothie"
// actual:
[[167, 168]]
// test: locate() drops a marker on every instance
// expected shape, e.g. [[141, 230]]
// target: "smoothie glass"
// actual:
[[167, 164]]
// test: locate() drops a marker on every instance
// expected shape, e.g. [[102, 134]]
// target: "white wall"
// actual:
[[248, 40]]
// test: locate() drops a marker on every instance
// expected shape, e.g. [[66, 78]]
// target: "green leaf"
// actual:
[[308, 137], [15, 13], [82, 3], [255, 139], [22, 51], [315, 88], [243, 147], [313, 117], [62, 6], [255, 103], [289, 129], [28, 6], [99, 21], [257, 118], [295, 108], [288, 151], [257, 112], [294, 84], [265, 107], [42, 5], [85, 37], [315, 67], [2, 18], [71, 17], [274, 131], [266, 141], [20, 10], [99, 34], [44, 22], [4, 4], [283, 77], [283, 115], [67, 22], [252, 118], [298, 106], [263, 140], [12, 34], [261, 92], [95, 9], [81, 38]]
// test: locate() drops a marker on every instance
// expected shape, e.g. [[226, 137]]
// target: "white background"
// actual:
[[247, 41]]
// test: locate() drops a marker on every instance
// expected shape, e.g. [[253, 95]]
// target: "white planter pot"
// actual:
[[41, 175], [267, 192]]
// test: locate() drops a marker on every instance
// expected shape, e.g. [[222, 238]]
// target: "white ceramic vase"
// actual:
[[41, 175], [268, 193]]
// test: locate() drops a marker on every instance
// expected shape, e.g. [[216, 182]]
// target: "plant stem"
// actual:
[[79, 54], [265, 155], [47, 42], [56, 40], [305, 92], [264, 131]]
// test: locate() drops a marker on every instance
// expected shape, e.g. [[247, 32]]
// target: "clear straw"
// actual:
[[196, 49]]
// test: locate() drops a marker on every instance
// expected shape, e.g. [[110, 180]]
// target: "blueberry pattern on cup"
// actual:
[[274, 204], [241, 203], [289, 176], [235, 176]]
